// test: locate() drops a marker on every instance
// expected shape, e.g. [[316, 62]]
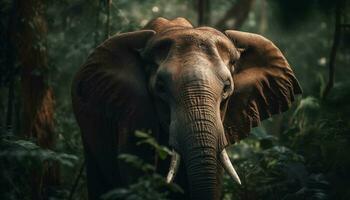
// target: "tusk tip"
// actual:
[[174, 165], [239, 181], [227, 165], [169, 178]]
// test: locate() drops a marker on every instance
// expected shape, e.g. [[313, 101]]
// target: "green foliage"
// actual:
[[20, 159], [162, 151], [270, 170], [306, 112], [149, 186], [146, 188], [28, 153], [136, 162]]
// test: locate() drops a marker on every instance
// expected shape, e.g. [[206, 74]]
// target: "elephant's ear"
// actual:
[[113, 75], [111, 99], [264, 84]]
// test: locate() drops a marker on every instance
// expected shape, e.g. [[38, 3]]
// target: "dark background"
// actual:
[[302, 154]]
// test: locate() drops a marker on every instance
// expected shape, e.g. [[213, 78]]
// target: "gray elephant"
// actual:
[[197, 89]]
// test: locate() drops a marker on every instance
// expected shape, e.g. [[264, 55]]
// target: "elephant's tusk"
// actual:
[[174, 166], [226, 163]]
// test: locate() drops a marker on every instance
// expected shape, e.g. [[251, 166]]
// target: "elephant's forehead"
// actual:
[[188, 36]]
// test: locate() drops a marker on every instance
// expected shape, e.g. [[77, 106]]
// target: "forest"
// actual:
[[300, 154]]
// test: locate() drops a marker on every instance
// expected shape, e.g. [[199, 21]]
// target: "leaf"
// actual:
[[136, 162], [162, 151], [141, 134]]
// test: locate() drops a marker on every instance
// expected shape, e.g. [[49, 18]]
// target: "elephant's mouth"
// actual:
[[224, 161]]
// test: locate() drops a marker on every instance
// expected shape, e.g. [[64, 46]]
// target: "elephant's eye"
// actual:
[[160, 87], [232, 65], [227, 89]]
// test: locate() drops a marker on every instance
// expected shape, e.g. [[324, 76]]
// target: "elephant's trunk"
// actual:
[[200, 141], [200, 159]]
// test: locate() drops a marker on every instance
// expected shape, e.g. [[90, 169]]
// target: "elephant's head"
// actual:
[[207, 88]]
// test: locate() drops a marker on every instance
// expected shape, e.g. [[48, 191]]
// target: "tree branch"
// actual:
[[238, 12], [333, 54]]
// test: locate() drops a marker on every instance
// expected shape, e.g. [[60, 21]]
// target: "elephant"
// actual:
[[198, 90]]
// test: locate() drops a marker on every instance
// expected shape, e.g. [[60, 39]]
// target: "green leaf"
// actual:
[[141, 134]]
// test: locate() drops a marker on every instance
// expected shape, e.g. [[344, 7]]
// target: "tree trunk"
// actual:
[[263, 17], [108, 22], [203, 12], [97, 23], [8, 72], [29, 38]]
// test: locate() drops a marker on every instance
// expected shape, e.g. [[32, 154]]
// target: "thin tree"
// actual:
[[9, 61], [203, 10], [108, 22], [333, 53]]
